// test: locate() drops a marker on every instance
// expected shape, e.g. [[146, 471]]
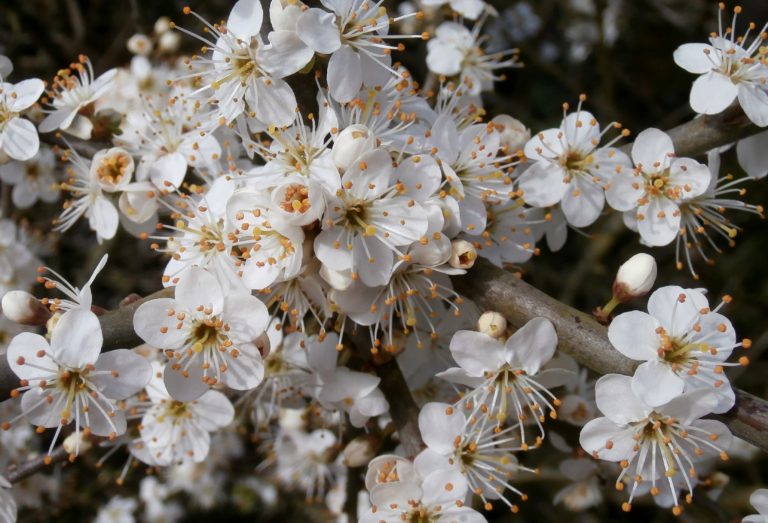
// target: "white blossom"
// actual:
[[683, 343], [653, 445], [208, 336]]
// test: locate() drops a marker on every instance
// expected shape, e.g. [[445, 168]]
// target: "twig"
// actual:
[[35, 465]]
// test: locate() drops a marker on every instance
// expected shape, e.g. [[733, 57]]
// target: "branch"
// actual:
[[23, 470], [706, 132], [402, 407], [586, 340]]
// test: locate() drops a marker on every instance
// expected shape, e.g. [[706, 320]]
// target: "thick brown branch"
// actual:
[[707, 132], [585, 339]]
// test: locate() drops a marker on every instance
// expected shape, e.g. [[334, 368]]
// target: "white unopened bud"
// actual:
[[162, 25], [169, 42], [292, 419], [360, 451], [140, 44], [112, 169], [635, 277], [492, 324], [22, 307], [463, 254], [76, 443], [350, 145], [512, 133]]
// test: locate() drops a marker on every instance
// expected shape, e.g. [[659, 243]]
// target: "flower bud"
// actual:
[[292, 419], [112, 169], [512, 133], [463, 254], [350, 144], [76, 443], [360, 451], [22, 307], [140, 44], [493, 324], [635, 277], [169, 42], [162, 25]]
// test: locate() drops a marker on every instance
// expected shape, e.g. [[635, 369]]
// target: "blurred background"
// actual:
[[618, 52]]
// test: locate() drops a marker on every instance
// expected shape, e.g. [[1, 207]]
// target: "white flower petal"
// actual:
[[23, 349], [124, 373], [168, 171], [152, 316], [345, 74], [77, 339], [652, 146], [200, 287], [184, 388], [754, 101], [677, 317], [440, 424], [24, 94], [712, 93], [19, 139], [596, 434], [103, 218], [655, 383], [476, 352], [275, 102], [583, 202], [660, 224], [694, 58], [634, 335], [318, 29], [616, 400], [752, 154], [213, 410], [542, 184], [532, 345], [245, 19]]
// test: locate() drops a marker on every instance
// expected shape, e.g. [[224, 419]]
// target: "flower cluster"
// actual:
[[310, 202]]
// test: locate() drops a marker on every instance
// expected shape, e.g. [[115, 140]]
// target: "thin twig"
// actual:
[[33, 466]]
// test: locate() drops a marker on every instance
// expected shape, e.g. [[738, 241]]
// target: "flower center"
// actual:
[[112, 168], [356, 215], [32, 170], [656, 184], [296, 199], [576, 162], [5, 115], [419, 514], [205, 334], [677, 352]]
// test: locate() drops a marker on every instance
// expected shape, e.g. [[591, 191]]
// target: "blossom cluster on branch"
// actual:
[[310, 242]]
